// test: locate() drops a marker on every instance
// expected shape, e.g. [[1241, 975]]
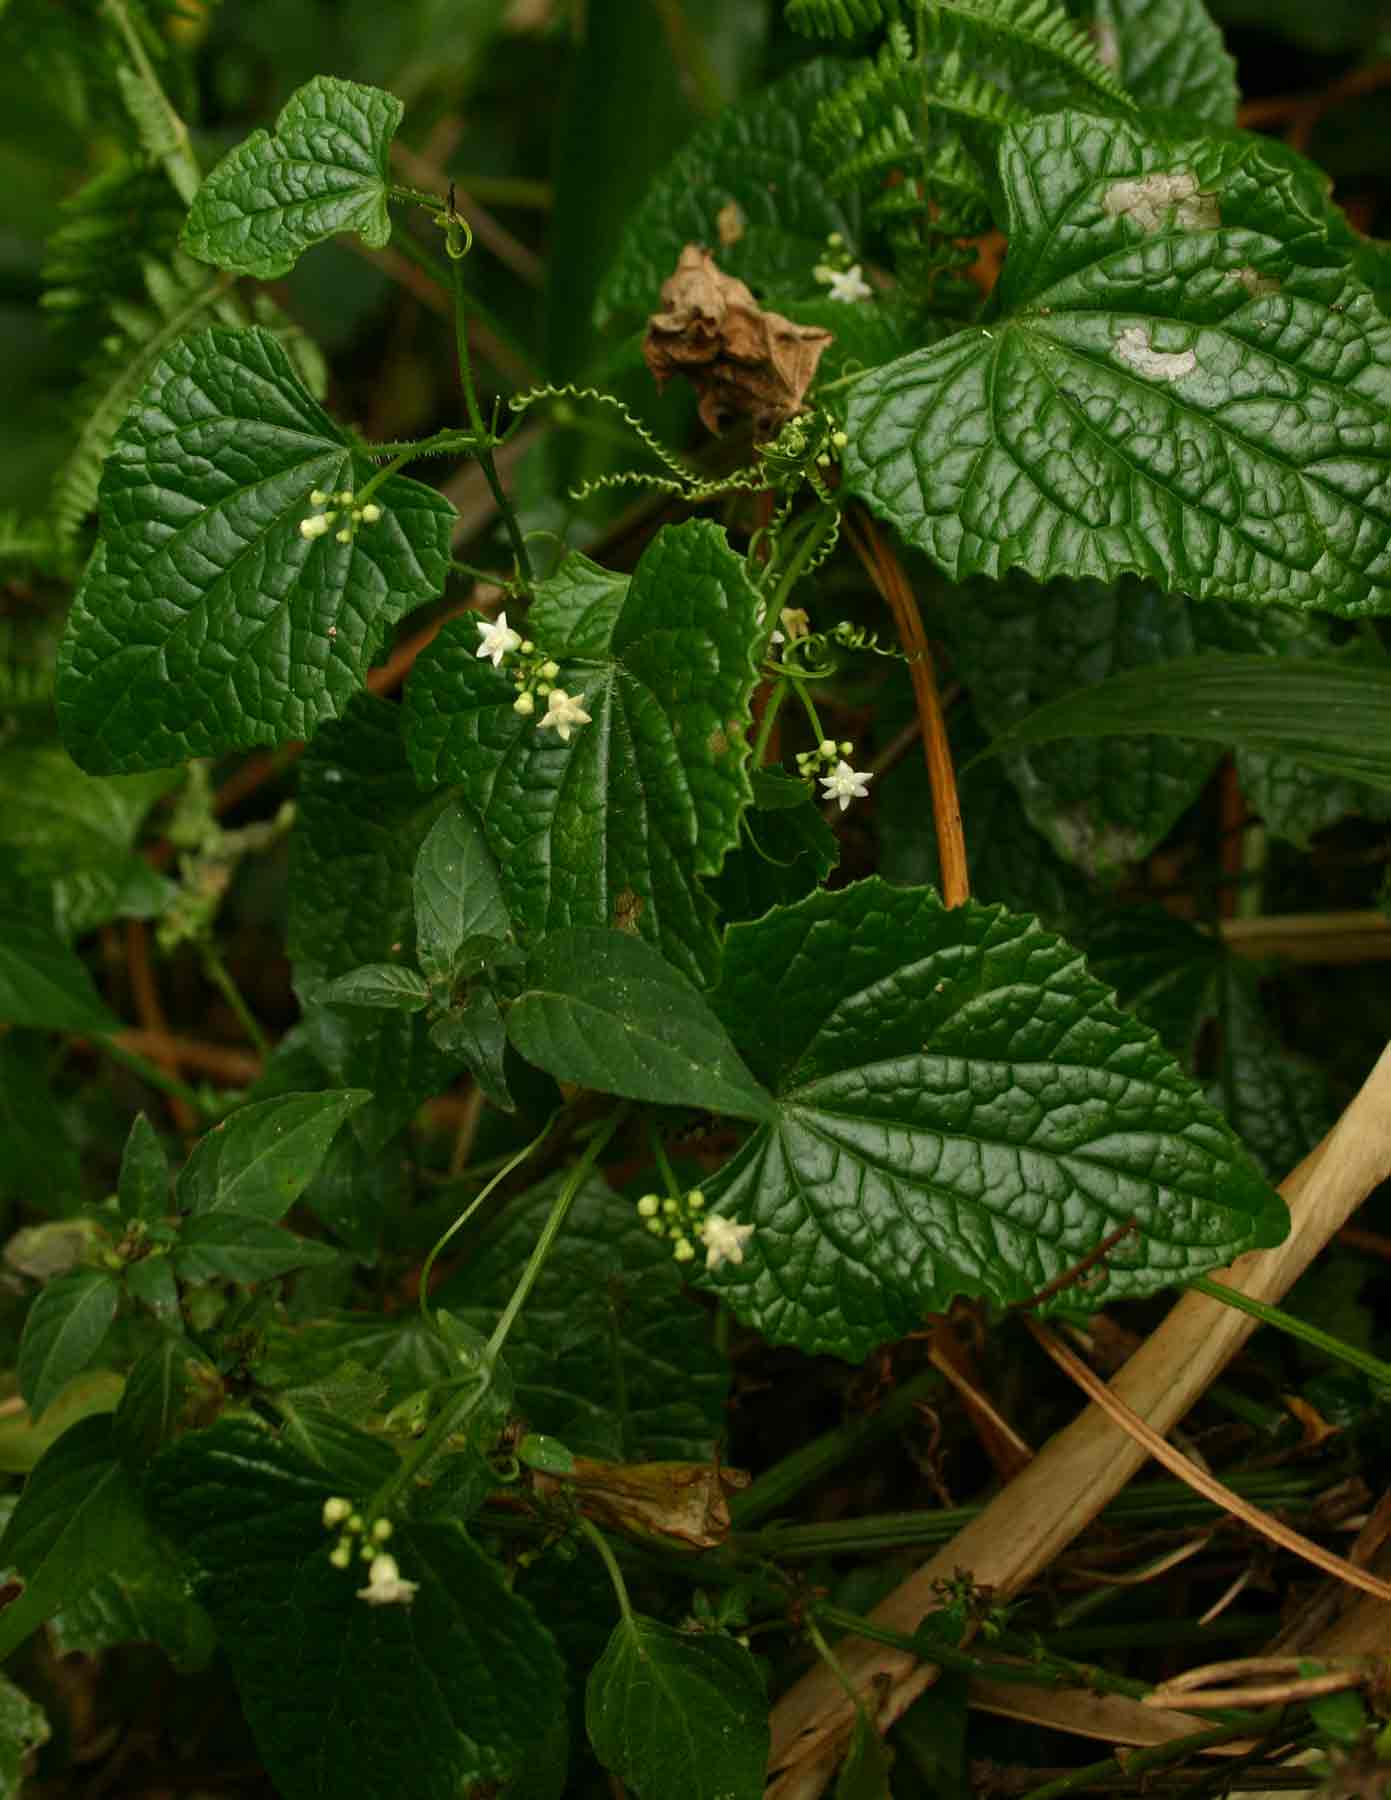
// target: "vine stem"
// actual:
[[485, 437], [887, 574], [221, 977], [601, 1544], [550, 1231], [1137, 1762]]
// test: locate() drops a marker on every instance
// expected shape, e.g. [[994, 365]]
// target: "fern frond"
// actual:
[[27, 543], [895, 87], [124, 214], [841, 18], [1038, 48], [182, 295]]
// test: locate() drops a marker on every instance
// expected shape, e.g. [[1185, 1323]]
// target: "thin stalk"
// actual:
[[550, 1231], [486, 440], [156, 1076], [777, 1486], [1379, 1371], [1137, 1762], [178, 161], [769, 719], [512, 1162], [436, 1434], [600, 1543], [807, 542], [221, 977]]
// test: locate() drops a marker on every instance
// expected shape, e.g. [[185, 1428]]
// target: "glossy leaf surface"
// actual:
[[322, 170], [206, 620], [1184, 380], [260, 1160], [962, 1110], [614, 826]]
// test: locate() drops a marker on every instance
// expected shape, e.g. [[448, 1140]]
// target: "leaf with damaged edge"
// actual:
[[206, 621], [613, 827], [1185, 380], [962, 1110], [323, 170]]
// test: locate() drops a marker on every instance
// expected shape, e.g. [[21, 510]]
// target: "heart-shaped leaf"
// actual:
[[613, 827], [207, 621], [963, 1109], [1185, 380], [323, 170]]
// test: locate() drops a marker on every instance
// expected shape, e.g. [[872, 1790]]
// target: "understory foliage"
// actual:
[[691, 939]]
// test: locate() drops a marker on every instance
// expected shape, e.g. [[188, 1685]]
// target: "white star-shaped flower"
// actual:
[[723, 1240], [385, 1586], [562, 711], [849, 284], [499, 639], [845, 784]]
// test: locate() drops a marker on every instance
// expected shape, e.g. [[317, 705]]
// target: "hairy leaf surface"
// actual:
[[962, 1110]]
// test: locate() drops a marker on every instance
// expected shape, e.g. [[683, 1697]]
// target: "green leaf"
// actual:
[[43, 983], [1277, 1103], [149, 1606], [359, 827], [66, 1326], [1296, 803], [39, 1163], [1184, 381], [172, 1388], [1163, 970], [260, 1160], [789, 849], [150, 1281], [757, 156], [962, 1110], [418, 1700], [78, 831], [323, 171], [1327, 715], [674, 1712], [1167, 53], [78, 1521], [864, 1775], [384, 985], [1017, 645], [603, 1009], [234, 1246], [143, 1189], [206, 621], [405, 1353], [475, 1034], [609, 1354], [619, 822], [457, 891], [23, 1728]]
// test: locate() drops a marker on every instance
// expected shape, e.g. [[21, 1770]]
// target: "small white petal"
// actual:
[[849, 285], [562, 711], [724, 1240], [845, 784], [498, 639]]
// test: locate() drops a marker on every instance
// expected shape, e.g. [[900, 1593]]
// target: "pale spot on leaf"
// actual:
[[1133, 349], [1150, 201]]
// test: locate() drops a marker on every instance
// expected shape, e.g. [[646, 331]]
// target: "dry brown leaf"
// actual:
[[686, 1502], [741, 361]]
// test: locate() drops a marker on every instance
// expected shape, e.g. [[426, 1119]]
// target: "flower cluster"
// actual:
[[534, 675], [385, 1586], [319, 523], [684, 1219], [844, 278], [843, 783]]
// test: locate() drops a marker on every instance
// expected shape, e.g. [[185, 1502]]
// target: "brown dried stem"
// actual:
[[1084, 1466], [888, 575]]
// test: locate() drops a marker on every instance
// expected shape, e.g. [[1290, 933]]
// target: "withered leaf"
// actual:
[[741, 361]]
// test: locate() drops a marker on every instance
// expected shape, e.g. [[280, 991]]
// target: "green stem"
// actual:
[[178, 160], [777, 1486], [221, 977], [550, 1231], [446, 1422], [769, 719], [1379, 1371], [663, 1162], [809, 708], [409, 196], [1137, 1762], [485, 451], [806, 542], [511, 1163], [600, 1543], [157, 1077]]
